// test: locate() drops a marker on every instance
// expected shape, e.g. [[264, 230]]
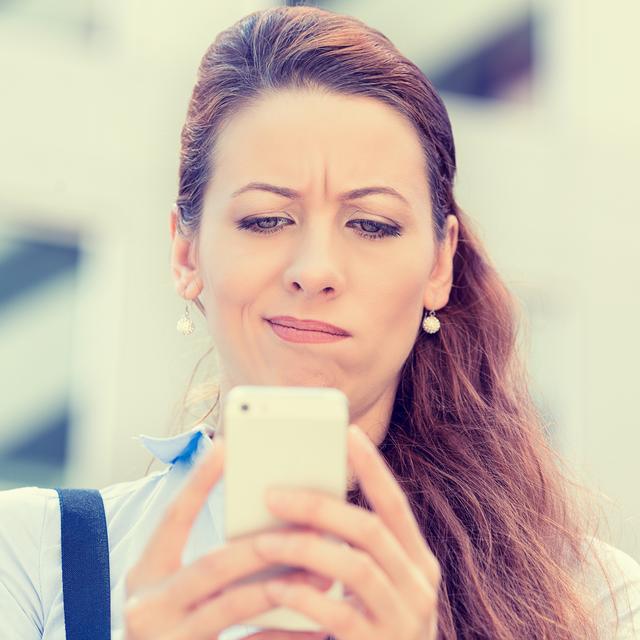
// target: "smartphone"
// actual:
[[285, 436]]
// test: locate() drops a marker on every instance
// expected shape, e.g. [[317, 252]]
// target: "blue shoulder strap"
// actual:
[[85, 565]]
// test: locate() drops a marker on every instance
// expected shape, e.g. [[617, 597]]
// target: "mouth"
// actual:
[[315, 326], [306, 335]]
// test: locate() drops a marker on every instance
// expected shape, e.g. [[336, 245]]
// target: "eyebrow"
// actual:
[[292, 194]]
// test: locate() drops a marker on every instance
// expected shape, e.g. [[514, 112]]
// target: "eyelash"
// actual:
[[386, 230]]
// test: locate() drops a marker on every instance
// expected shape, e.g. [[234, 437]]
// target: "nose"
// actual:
[[316, 265]]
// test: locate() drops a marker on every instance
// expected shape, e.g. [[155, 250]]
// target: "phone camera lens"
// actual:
[[244, 407]]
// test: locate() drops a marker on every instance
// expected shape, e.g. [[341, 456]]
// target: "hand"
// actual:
[[168, 601], [390, 569]]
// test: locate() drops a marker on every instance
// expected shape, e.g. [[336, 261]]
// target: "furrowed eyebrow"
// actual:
[[354, 194]]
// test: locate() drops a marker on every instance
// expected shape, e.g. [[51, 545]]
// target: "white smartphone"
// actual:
[[288, 436]]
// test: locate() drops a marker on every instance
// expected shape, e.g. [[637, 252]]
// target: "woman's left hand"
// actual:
[[388, 567]]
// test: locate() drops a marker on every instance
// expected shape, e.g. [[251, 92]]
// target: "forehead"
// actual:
[[310, 140]]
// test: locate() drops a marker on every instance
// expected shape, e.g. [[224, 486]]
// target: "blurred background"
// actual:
[[544, 100]]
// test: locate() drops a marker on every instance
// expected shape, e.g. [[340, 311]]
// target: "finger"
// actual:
[[162, 555], [234, 606], [353, 567], [322, 583], [220, 568], [338, 617], [185, 591], [361, 529], [389, 501]]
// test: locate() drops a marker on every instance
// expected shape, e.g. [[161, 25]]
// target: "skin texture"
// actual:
[[317, 265]]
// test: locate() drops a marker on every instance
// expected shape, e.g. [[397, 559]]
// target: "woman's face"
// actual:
[[320, 256]]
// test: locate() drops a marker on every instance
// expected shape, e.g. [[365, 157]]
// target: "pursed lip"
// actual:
[[308, 325]]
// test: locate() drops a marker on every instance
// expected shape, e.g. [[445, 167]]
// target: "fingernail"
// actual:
[[361, 435], [321, 582]]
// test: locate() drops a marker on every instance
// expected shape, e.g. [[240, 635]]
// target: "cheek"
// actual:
[[395, 285], [400, 292], [233, 275], [392, 301]]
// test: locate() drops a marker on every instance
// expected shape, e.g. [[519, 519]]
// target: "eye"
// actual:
[[252, 224], [380, 229]]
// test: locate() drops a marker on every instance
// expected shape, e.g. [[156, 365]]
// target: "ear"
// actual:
[[440, 279], [183, 264]]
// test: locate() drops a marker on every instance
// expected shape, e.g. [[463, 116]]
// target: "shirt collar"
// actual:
[[171, 449], [187, 448]]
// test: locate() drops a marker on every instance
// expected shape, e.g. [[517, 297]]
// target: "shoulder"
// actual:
[[31, 515], [27, 513], [612, 579], [624, 565], [30, 572], [22, 514]]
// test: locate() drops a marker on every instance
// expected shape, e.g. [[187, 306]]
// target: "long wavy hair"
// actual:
[[466, 442]]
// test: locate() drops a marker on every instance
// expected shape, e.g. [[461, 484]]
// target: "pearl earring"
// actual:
[[430, 323], [185, 324]]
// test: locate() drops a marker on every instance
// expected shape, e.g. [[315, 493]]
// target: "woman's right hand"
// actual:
[[168, 601]]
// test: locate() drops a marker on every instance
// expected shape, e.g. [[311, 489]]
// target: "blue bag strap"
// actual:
[[85, 565]]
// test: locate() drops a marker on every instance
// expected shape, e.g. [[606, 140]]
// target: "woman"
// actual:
[[316, 182]]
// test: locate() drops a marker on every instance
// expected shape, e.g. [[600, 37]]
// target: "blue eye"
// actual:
[[381, 230]]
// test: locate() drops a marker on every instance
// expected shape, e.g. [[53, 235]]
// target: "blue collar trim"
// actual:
[[171, 449]]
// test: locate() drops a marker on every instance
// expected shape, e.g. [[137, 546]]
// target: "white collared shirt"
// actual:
[[31, 599]]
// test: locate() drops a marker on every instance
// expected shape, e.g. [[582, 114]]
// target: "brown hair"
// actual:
[[465, 440]]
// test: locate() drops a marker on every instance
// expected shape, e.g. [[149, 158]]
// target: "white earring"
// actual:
[[430, 323], [185, 324]]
